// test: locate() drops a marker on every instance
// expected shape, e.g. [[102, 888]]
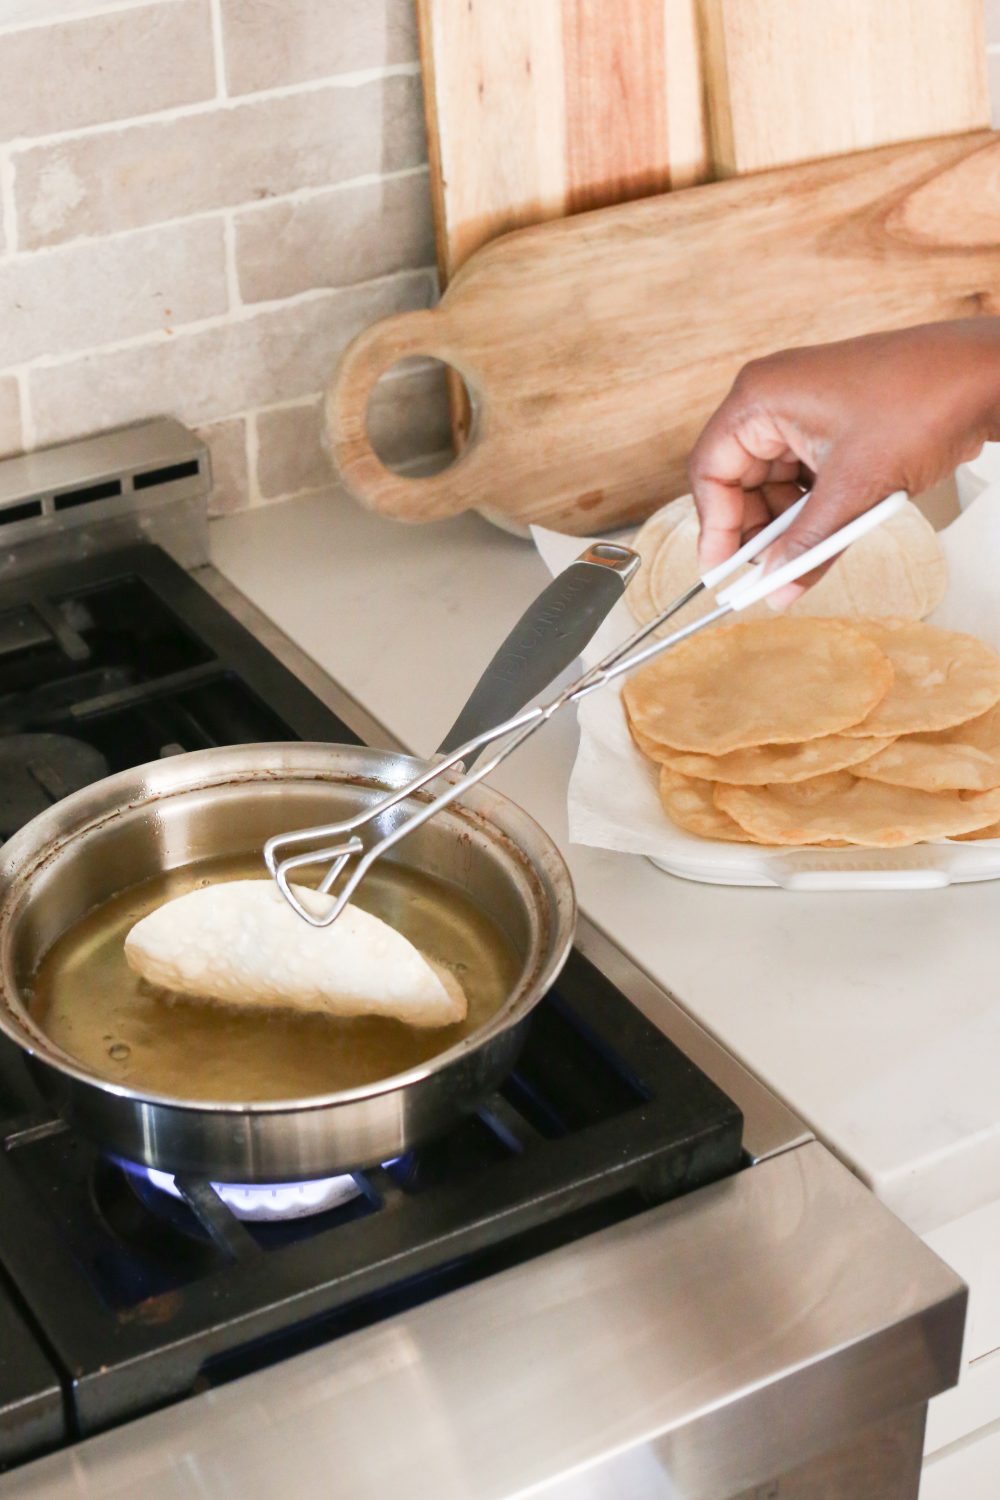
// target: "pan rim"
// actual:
[[304, 760]]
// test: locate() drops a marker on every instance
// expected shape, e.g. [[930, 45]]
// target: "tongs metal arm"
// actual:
[[751, 589], [635, 652]]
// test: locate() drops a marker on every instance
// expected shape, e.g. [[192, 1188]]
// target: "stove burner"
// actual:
[[39, 769], [263, 1203]]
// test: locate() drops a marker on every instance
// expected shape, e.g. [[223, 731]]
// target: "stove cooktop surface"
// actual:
[[117, 1296], [115, 661]]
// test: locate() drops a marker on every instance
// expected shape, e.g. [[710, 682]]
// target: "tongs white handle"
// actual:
[[753, 548], [758, 584], [745, 591]]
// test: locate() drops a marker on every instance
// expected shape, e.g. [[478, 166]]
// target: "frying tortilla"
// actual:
[[240, 943]]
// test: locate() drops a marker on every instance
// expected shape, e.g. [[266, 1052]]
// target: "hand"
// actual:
[[854, 421]]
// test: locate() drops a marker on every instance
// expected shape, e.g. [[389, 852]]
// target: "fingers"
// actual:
[[731, 514], [721, 510], [741, 452], [737, 514], [778, 496], [844, 489], [716, 466]]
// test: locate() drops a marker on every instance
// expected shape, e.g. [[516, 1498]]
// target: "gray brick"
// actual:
[[273, 355], [268, 44], [227, 444], [62, 75], [145, 173], [408, 414], [338, 238], [100, 291], [290, 452]]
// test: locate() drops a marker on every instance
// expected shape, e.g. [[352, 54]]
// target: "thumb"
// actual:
[[843, 490]]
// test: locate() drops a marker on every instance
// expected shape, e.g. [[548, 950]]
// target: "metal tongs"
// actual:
[[513, 732]]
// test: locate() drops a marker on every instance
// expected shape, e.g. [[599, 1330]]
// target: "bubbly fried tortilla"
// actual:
[[940, 678], [240, 943], [775, 681], [964, 758], [691, 805], [841, 806], [759, 765]]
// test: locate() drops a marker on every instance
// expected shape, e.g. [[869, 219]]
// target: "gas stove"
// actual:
[[632, 1262], [132, 1290]]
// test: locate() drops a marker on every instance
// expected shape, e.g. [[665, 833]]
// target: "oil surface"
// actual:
[[91, 1004]]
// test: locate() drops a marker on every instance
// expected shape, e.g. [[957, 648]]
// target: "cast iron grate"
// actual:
[[120, 660], [69, 661]]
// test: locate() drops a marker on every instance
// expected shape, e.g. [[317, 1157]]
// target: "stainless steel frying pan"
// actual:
[[133, 826]]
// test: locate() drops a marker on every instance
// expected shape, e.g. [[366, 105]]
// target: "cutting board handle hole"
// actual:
[[409, 422]]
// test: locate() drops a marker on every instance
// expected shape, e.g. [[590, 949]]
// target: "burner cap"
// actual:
[[39, 769]]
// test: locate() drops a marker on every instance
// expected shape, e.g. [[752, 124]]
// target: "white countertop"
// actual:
[[877, 1017]]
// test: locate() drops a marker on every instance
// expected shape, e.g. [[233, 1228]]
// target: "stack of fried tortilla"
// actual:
[[878, 732]]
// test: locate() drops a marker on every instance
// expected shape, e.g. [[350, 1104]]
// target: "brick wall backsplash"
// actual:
[[201, 202]]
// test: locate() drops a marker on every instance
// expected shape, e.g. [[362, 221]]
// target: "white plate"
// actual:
[[614, 804], [923, 867]]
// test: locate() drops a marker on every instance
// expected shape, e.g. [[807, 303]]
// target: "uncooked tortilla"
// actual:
[[240, 943], [898, 569], [647, 542]]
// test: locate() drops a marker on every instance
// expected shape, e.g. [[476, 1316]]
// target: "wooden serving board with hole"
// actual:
[[594, 348], [538, 110], [535, 111]]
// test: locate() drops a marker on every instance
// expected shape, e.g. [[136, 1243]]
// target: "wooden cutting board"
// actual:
[[541, 108], [793, 80], [595, 347]]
